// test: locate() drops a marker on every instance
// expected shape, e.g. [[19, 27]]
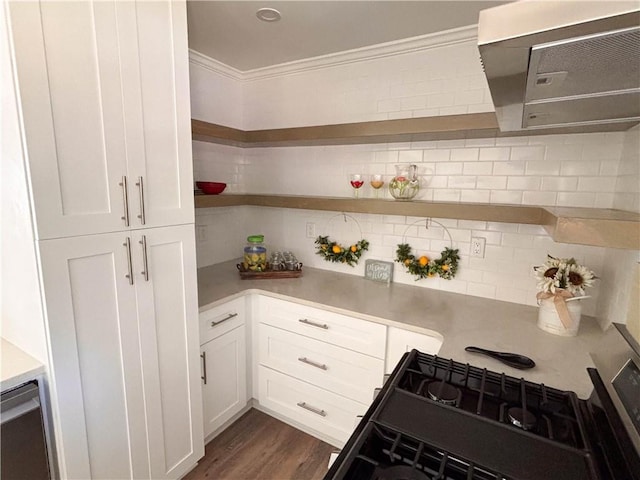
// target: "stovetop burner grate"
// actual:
[[390, 455], [541, 410]]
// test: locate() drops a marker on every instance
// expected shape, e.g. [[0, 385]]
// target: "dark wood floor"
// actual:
[[259, 447]]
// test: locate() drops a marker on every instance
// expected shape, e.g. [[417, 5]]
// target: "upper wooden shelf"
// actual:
[[582, 226], [446, 127]]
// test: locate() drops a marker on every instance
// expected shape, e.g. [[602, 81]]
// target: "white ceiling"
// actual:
[[229, 31]]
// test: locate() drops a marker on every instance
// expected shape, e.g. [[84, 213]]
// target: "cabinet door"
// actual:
[[400, 341], [68, 70], [96, 375], [165, 279], [155, 69], [224, 387]]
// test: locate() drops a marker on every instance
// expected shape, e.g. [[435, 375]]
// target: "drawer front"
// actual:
[[314, 407], [347, 332], [339, 370], [221, 319]]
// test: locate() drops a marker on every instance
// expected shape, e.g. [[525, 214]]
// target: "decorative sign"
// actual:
[[378, 270]]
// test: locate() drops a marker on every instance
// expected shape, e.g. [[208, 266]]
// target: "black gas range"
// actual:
[[440, 419]]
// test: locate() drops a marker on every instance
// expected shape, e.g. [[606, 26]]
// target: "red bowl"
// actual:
[[211, 188]]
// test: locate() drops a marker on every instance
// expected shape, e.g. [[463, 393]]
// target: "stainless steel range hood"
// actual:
[[562, 63]]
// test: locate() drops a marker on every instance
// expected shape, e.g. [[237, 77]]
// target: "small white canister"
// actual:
[[549, 319]]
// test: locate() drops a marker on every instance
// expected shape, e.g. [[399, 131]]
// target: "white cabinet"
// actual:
[[124, 345], [224, 364], [400, 341], [104, 111], [105, 103], [317, 369]]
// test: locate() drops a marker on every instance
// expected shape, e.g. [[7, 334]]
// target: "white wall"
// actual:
[[558, 170], [618, 268], [22, 321], [435, 81], [215, 97]]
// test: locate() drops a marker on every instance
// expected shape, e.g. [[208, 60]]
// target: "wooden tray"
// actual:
[[267, 274]]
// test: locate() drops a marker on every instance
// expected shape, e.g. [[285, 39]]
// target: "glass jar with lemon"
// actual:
[[255, 254]]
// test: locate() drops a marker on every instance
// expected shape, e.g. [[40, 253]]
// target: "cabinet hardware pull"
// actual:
[[315, 410], [314, 324], [127, 244], [145, 262], [228, 317], [203, 356], [140, 186], [125, 200], [321, 366]]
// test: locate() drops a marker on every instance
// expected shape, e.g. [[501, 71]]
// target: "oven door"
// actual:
[[22, 441]]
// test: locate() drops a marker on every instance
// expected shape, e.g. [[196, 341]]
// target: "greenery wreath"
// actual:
[[334, 252], [446, 266]]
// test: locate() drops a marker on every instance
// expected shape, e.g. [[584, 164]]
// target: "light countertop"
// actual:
[[461, 320], [16, 367]]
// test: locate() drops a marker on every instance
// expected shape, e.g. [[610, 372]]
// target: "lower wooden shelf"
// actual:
[[582, 226]]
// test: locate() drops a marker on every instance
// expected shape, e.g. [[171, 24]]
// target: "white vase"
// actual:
[[549, 319]]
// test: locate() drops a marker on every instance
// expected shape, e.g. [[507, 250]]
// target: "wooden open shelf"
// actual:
[[445, 127], [583, 226]]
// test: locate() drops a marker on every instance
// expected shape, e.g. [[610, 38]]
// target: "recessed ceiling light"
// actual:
[[268, 15]]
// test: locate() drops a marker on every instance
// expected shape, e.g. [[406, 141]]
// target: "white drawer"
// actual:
[[347, 373], [348, 332], [314, 407], [221, 319]]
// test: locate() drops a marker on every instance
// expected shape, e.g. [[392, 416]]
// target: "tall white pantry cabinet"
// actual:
[[104, 98]]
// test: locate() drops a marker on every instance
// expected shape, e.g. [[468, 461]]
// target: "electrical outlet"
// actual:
[[311, 230], [477, 246]]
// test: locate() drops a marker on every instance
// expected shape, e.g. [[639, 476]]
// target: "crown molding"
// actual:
[[214, 65], [397, 47]]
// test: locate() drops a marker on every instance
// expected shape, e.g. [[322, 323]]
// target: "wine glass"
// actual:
[[376, 182], [356, 182]]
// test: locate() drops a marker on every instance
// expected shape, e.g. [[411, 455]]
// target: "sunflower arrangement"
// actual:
[[332, 251], [423, 267], [566, 274]]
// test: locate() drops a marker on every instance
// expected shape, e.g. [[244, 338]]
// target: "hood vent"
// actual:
[[584, 70]]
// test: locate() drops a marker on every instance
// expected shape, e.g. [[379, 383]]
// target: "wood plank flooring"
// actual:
[[259, 447]]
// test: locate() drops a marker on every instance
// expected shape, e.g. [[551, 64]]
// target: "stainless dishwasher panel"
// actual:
[[22, 441]]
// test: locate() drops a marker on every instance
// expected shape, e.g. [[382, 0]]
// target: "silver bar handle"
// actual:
[[203, 356], [125, 200], [321, 366], [145, 261], [314, 324], [140, 186], [127, 244], [228, 317], [315, 410]]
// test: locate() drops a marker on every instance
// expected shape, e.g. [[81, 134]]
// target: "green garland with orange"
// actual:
[[423, 267], [332, 251]]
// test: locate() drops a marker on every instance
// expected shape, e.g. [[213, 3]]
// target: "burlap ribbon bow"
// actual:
[[559, 300]]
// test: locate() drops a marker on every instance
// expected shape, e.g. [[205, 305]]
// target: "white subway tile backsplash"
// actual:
[[410, 156], [477, 168], [559, 184], [523, 183], [576, 199], [495, 154], [439, 155], [491, 182], [509, 168], [475, 196], [542, 168], [528, 153], [597, 184], [540, 198], [508, 197], [481, 290], [579, 167], [558, 153], [449, 168], [464, 154], [461, 181]]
